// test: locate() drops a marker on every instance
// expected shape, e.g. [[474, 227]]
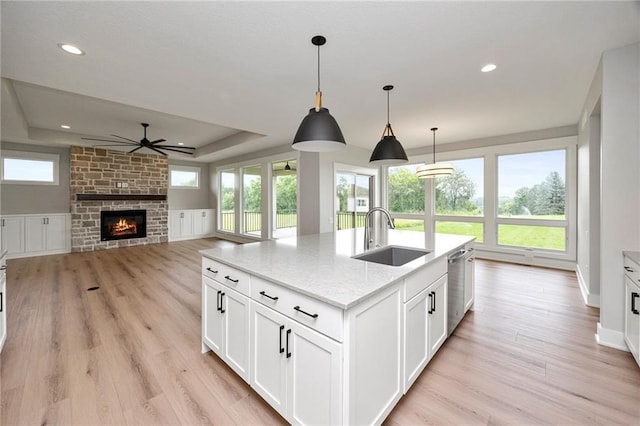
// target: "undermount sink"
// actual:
[[392, 255]]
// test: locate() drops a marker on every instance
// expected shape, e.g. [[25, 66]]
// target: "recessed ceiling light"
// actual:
[[488, 68], [64, 126], [180, 143], [70, 48]]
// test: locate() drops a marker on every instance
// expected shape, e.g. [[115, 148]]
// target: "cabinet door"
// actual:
[[211, 315], [197, 221], [207, 221], [34, 232], [56, 233], [175, 223], [416, 342], [13, 234], [314, 377], [236, 331], [186, 223], [469, 282], [268, 360], [631, 318], [437, 314]]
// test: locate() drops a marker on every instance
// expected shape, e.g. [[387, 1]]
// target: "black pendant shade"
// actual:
[[319, 131], [388, 151]]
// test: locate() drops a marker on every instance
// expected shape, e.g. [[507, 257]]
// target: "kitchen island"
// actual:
[[325, 338]]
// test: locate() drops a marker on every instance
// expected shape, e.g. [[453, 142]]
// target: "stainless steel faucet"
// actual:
[[368, 238]]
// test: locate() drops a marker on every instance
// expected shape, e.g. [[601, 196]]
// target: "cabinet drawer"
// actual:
[[231, 277], [320, 316], [632, 269], [421, 279]]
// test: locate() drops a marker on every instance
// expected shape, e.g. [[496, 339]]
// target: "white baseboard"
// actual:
[[611, 338], [191, 237], [545, 262], [589, 299], [36, 253]]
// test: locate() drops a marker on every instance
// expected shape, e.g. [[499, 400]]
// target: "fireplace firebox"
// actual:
[[122, 224]]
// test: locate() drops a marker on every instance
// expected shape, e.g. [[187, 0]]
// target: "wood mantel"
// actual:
[[110, 197]]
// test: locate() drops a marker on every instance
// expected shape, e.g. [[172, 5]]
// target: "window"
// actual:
[[227, 201], [460, 199], [353, 192], [531, 200], [252, 200], [405, 197], [285, 198], [184, 177], [30, 168]]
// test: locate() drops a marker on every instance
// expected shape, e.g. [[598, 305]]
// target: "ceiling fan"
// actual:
[[145, 143]]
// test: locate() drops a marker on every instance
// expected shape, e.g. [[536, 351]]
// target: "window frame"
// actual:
[[179, 168], [32, 156]]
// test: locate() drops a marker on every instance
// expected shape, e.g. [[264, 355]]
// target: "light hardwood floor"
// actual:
[[129, 352]]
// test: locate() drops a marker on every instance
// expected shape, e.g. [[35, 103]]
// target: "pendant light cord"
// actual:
[[318, 68], [434, 145]]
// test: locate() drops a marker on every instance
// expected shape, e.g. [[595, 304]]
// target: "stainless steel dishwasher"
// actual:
[[455, 304]]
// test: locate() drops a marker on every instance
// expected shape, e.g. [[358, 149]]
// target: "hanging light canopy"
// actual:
[[319, 131], [430, 171], [388, 151]]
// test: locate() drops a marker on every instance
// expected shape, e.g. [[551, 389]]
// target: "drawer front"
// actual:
[[632, 269], [422, 278], [320, 316], [231, 277]]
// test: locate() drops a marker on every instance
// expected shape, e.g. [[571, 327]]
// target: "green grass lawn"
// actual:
[[545, 237]]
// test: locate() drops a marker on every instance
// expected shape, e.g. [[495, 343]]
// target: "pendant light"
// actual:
[[319, 131], [388, 151], [287, 167], [429, 171]]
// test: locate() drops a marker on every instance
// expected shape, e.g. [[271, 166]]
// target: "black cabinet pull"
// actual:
[[626, 268], [433, 299], [218, 308], [212, 271], [633, 303], [281, 348], [288, 352], [297, 308], [430, 303], [274, 298], [227, 277], [3, 267], [1, 301], [222, 311]]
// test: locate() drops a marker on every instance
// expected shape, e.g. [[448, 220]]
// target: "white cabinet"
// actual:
[[469, 278], [35, 235], [297, 370], [226, 325], [45, 233], [13, 234], [190, 224], [437, 315], [425, 328], [3, 302], [632, 307]]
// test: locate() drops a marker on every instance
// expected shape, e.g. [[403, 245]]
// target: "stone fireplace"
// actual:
[[105, 183]]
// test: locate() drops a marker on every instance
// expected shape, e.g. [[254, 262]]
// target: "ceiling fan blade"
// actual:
[[135, 149], [175, 150], [118, 144], [156, 150], [157, 141], [105, 140], [126, 139], [174, 146]]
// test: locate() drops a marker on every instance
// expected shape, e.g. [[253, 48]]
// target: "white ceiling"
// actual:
[[218, 75]]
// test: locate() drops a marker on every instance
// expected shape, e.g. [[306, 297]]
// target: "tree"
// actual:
[[454, 192], [555, 194], [406, 191], [253, 196], [286, 193]]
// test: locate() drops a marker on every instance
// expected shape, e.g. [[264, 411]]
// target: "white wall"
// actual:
[[619, 184], [190, 198]]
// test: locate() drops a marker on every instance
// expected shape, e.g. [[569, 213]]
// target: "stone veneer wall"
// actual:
[[97, 171]]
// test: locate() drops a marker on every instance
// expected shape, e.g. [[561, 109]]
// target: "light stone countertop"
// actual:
[[321, 266], [633, 255]]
